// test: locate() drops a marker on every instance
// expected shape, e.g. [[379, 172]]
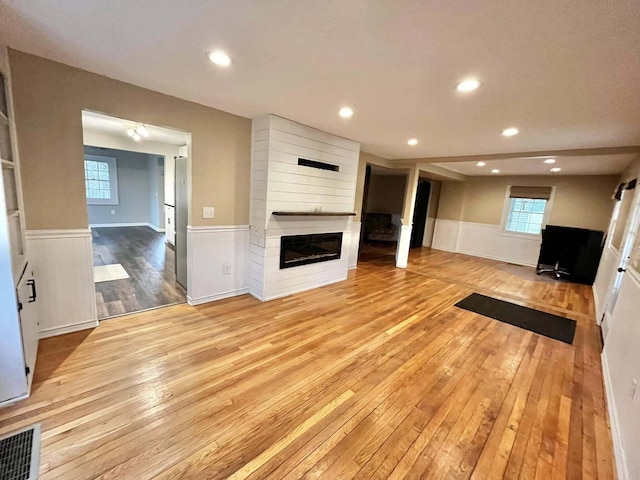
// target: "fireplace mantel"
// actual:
[[314, 214]]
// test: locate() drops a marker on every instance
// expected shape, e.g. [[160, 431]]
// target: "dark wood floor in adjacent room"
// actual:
[[379, 376], [150, 264]]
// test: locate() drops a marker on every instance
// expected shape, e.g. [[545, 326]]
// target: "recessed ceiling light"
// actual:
[[556, 169], [550, 160], [510, 132], [346, 112], [468, 85], [480, 164], [412, 141], [219, 58], [495, 170]]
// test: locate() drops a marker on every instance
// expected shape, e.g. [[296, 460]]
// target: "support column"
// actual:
[[404, 238]]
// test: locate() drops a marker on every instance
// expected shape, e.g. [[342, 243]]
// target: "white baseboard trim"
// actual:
[[217, 296], [11, 401], [157, 229], [353, 267], [618, 451], [74, 327]]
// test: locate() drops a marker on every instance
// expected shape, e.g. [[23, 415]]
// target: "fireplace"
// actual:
[[296, 250]]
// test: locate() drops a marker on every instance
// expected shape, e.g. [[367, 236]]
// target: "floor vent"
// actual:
[[20, 454]]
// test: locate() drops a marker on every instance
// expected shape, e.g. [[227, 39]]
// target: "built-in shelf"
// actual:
[[7, 163], [4, 120], [12, 213], [314, 214]]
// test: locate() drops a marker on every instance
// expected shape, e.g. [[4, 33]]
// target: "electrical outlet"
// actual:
[[113, 212], [227, 268], [208, 212]]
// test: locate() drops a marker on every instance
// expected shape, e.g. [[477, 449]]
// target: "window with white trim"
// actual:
[[101, 180], [527, 209]]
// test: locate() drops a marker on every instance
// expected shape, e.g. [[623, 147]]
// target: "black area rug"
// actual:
[[552, 326]]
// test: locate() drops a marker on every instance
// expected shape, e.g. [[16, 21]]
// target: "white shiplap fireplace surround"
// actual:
[[280, 184]]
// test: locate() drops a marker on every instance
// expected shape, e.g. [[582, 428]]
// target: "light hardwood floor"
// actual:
[[376, 377]]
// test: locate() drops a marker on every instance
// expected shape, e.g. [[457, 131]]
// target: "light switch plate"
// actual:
[[208, 212]]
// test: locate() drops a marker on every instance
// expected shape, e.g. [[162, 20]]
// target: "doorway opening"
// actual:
[[136, 196], [420, 211], [382, 204]]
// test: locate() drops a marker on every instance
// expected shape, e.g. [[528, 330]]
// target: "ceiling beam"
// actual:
[[433, 172], [582, 152]]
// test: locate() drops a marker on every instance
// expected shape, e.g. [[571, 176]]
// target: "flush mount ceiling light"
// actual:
[[219, 58], [346, 112], [480, 164], [550, 160], [555, 169], [138, 132], [510, 132], [142, 130], [495, 170], [468, 85], [412, 141]]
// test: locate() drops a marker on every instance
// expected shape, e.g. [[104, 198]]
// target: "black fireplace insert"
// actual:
[[296, 250]]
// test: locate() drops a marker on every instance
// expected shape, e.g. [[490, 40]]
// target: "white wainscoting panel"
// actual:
[[209, 249], [445, 235], [485, 240], [63, 265], [606, 272], [427, 240], [354, 244], [621, 366], [488, 241]]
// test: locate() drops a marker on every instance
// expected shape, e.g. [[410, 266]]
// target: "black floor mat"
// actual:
[[552, 326]]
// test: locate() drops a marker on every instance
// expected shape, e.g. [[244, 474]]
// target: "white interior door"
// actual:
[[622, 240]]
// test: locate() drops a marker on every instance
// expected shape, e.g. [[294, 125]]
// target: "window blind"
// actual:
[[540, 193]]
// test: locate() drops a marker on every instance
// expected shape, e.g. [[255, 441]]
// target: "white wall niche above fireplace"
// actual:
[[310, 199]]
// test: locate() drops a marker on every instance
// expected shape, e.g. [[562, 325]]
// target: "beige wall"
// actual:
[[451, 200], [386, 193], [581, 201], [49, 98]]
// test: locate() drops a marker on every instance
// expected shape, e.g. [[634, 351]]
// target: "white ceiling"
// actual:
[[564, 72], [586, 165], [117, 126]]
